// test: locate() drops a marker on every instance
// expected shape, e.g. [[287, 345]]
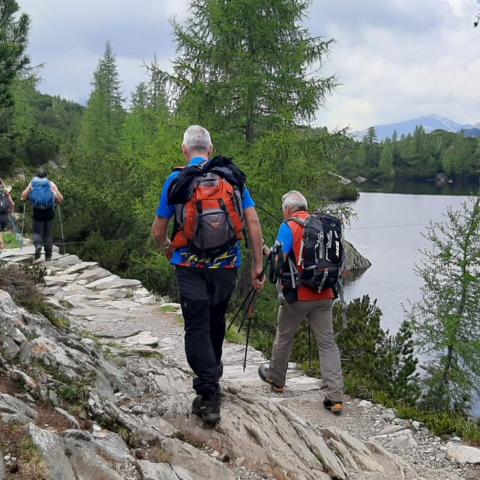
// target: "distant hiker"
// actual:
[[43, 194], [211, 204], [305, 244], [7, 206]]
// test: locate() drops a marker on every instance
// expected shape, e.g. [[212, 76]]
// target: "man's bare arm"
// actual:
[[26, 192], [256, 238], [159, 231]]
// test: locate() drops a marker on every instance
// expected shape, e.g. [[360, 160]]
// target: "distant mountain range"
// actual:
[[429, 123]]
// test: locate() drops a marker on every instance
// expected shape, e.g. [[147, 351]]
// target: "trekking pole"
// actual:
[[61, 227], [16, 232], [248, 337], [23, 222], [309, 348], [245, 300]]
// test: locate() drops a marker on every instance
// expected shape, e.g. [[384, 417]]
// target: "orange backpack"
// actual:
[[211, 219]]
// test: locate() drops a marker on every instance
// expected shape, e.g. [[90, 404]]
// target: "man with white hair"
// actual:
[[300, 302], [207, 202]]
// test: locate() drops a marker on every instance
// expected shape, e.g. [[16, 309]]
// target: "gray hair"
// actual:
[[295, 201], [197, 138]]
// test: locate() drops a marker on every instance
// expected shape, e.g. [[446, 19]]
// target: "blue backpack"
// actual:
[[42, 196]]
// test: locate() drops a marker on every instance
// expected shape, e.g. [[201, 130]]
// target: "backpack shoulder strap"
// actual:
[[295, 220]]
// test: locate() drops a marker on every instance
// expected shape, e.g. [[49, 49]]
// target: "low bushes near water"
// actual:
[[377, 366]]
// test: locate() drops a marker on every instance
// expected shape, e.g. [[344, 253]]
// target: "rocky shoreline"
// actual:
[[102, 391]]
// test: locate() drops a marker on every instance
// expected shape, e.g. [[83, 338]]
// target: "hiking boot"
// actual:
[[263, 374], [334, 407], [207, 408], [38, 252], [196, 404], [220, 370]]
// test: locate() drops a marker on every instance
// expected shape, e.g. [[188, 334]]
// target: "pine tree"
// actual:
[[446, 319], [13, 43], [157, 87], [246, 65], [102, 124], [386, 160]]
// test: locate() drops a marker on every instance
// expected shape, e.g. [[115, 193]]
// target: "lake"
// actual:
[[388, 231]]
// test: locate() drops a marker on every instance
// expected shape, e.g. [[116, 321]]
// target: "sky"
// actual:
[[394, 59]]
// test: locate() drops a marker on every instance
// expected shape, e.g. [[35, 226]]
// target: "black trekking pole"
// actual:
[[240, 308], [61, 228], [249, 314], [309, 348], [23, 221]]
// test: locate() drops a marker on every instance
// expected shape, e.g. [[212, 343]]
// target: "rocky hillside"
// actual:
[[98, 388]]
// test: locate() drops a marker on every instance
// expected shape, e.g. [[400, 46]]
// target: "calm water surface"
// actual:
[[388, 232]]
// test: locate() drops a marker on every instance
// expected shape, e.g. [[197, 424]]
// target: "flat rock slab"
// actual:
[[303, 383], [93, 274], [79, 267], [100, 312], [120, 304], [144, 338], [65, 261], [162, 471], [113, 281], [463, 454], [59, 280], [17, 252]]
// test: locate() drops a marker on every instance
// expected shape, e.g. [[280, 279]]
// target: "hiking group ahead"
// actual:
[[211, 208], [44, 197]]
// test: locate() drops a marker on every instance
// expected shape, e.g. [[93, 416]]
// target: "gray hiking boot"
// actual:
[[264, 375]]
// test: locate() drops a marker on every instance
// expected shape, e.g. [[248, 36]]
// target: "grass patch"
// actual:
[[234, 336], [168, 309], [157, 455], [444, 423], [10, 240], [29, 464]]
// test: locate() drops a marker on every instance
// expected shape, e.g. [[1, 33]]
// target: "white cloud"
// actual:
[[396, 59]]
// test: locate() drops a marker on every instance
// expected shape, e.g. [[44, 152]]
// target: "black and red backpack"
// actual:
[[208, 207], [318, 255]]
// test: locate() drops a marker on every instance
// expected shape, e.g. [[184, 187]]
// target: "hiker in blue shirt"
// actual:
[[43, 195], [206, 253]]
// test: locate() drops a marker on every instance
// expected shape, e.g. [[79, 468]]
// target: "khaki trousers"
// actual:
[[319, 316]]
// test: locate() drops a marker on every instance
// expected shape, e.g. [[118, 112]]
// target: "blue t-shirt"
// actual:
[[185, 256], [285, 237]]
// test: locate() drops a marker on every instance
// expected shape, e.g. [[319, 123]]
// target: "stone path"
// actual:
[[123, 314]]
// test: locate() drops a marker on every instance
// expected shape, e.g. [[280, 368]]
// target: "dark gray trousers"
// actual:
[[43, 236]]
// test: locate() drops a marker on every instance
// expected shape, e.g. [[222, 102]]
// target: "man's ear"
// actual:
[[185, 151], [211, 151]]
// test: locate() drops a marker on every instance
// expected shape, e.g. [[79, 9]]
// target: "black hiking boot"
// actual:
[[334, 407], [38, 252], [207, 408], [263, 374], [220, 370]]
